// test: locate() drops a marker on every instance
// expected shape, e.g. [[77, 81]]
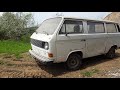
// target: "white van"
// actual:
[[65, 39]]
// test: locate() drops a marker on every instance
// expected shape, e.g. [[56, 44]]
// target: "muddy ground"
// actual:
[[26, 67]]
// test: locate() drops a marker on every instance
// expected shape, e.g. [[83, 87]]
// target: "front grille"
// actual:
[[38, 43]]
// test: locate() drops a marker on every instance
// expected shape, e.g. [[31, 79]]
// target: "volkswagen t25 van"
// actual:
[[69, 40]]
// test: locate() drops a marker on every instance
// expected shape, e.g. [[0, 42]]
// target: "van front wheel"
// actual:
[[74, 62], [111, 53]]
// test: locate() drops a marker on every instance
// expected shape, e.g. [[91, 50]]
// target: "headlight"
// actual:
[[46, 46]]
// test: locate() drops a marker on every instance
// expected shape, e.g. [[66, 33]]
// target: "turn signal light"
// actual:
[[50, 55]]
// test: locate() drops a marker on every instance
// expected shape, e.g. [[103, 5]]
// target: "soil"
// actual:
[[26, 67]]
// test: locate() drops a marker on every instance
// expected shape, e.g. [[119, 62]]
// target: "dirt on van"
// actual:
[[26, 67]]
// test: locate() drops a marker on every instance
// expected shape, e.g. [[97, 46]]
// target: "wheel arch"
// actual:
[[75, 52]]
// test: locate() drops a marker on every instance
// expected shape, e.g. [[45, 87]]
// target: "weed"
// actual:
[[89, 73]]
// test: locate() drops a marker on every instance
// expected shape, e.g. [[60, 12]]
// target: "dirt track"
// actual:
[[26, 67]]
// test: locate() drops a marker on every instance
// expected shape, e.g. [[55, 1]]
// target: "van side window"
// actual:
[[72, 27], [95, 27], [111, 28], [118, 27]]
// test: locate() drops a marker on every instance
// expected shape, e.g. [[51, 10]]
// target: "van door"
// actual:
[[96, 39], [74, 40]]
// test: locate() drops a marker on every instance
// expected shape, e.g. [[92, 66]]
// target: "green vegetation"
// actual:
[[15, 31], [89, 73], [14, 47], [13, 25]]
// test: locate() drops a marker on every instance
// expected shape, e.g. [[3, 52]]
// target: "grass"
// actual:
[[14, 47], [89, 73]]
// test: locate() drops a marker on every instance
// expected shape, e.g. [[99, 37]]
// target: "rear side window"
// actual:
[[111, 28], [72, 27], [95, 27]]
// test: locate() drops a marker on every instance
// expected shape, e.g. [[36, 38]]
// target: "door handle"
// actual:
[[83, 40]]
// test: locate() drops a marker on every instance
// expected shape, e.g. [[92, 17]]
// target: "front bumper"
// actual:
[[41, 59]]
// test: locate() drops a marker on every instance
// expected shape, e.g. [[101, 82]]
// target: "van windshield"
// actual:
[[49, 26]]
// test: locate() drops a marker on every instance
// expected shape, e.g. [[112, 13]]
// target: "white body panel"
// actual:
[[112, 39]]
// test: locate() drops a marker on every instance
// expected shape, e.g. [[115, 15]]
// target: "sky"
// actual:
[[40, 16]]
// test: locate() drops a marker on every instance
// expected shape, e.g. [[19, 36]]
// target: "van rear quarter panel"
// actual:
[[112, 39]]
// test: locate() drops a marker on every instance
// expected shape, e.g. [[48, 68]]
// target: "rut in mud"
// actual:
[[26, 67]]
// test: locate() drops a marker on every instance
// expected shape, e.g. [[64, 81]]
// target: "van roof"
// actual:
[[88, 19]]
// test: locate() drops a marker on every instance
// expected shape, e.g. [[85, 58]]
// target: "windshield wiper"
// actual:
[[45, 32]]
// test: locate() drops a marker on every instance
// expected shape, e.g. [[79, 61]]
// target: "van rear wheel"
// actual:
[[74, 62], [111, 53]]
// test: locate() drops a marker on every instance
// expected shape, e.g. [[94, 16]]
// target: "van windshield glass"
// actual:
[[49, 26]]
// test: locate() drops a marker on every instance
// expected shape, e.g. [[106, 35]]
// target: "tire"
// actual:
[[74, 62], [111, 53]]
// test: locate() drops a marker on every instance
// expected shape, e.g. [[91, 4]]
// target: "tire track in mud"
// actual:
[[26, 67], [23, 68]]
